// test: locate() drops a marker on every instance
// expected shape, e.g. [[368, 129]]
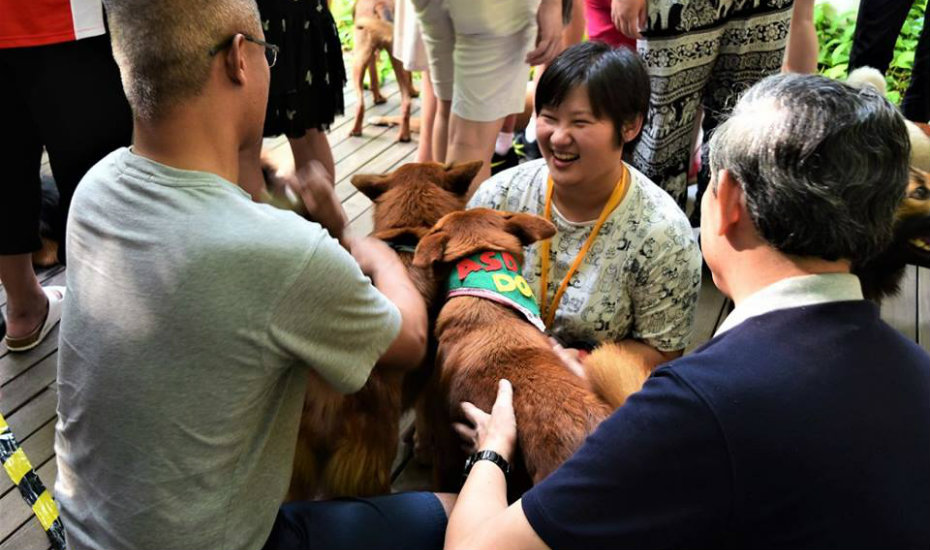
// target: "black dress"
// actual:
[[307, 80]]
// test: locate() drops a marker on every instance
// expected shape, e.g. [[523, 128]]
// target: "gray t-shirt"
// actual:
[[641, 277], [190, 313]]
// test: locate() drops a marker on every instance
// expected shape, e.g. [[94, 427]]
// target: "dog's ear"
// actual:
[[371, 185], [529, 228], [414, 233], [431, 249], [458, 177]]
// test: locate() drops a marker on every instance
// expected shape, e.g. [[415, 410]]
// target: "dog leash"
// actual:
[[26, 479], [616, 197]]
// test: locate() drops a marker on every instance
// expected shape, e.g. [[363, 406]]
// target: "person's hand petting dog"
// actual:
[[314, 186], [549, 33], [490, 432], [629, 16]]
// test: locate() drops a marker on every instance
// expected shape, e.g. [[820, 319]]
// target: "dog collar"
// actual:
[[402, 247], [495, 276]]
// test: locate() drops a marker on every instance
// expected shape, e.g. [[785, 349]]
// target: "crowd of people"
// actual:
[[197, 309]]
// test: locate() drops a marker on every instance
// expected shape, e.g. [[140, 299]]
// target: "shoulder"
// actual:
[[512, 189], [658, 209]]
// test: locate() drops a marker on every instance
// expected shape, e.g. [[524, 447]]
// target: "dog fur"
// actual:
[[480, 342], [374, 31], [346, 444]]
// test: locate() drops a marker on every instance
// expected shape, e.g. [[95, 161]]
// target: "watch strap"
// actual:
[[487, 455]]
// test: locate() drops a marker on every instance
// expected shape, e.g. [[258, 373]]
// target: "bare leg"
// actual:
[[313, 146], [358, 76], [472, 140], [427, 118], [26, 302], [441, 129]]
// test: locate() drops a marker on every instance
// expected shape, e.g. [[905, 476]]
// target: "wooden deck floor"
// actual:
[[27, 381]]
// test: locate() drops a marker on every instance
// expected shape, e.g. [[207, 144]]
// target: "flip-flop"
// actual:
[[55, 296]]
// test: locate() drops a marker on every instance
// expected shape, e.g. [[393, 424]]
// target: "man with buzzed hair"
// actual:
[[193, 314]]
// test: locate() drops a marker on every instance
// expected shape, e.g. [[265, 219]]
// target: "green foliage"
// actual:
[[342, 13], [835, 34]]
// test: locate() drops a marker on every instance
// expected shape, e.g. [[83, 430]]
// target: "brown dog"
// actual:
[[374, 31], [481, 340], [347, 444], [881, 276]]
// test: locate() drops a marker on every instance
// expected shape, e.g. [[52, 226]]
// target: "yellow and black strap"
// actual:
[[26, 479]]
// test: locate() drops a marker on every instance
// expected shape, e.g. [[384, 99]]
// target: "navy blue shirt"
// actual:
[[803, 427]]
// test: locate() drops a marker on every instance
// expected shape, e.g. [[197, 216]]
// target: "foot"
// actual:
[[27, 328], [379, 99]]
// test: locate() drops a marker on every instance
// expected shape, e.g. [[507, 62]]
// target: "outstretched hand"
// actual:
[[629, 16], [314, 186], [490, 432]]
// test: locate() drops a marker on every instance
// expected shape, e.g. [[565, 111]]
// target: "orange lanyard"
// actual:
[[616, 197]]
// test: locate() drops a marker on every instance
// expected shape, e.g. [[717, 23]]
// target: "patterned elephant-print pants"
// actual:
[[701, 53]]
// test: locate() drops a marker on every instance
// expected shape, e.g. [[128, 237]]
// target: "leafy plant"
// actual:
[[835, 35]]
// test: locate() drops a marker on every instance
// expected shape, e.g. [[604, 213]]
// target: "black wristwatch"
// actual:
[[486, 455]]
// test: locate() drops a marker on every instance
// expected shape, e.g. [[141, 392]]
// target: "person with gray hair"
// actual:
[[196, 318], [803, 423]]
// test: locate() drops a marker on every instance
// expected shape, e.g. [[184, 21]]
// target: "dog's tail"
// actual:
[[867, 76], [615, 372]]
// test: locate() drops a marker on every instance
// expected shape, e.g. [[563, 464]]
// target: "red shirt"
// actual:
[[38, 22]]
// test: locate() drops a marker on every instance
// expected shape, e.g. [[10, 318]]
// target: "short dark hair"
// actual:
[[162, 47], [617, 82], [822, 165]]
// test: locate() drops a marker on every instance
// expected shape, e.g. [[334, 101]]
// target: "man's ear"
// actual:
[[234, 60], [460, 175], [729, 204], [431, 249], [529, 228], [371, 185]]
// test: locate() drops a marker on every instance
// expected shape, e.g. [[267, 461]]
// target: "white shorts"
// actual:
[[408, 38], [476, 52]]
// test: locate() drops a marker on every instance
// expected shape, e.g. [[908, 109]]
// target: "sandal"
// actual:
[[55, 296]]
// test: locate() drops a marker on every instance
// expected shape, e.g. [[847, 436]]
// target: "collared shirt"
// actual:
[[793, 292]]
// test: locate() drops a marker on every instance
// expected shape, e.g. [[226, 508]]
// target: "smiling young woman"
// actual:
[[624, 265]]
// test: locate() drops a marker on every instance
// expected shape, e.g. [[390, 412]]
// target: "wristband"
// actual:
[[487, 455]]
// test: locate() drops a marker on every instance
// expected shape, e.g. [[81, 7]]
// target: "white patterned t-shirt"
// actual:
[[641, 277]]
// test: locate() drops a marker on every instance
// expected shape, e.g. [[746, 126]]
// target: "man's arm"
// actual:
[[389, 276], [481, 517]]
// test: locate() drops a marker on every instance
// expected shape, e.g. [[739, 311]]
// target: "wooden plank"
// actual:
[[29, 384], [31, 416], [13, 510], [900, 311], [923, 308], [14, 364], [28, 536], [39, 448]]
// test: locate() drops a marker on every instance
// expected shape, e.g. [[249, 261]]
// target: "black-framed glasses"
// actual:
[[271, 51]]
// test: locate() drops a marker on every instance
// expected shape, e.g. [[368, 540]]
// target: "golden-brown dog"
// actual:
[[481, 340], [347, 444], [374, 31]]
